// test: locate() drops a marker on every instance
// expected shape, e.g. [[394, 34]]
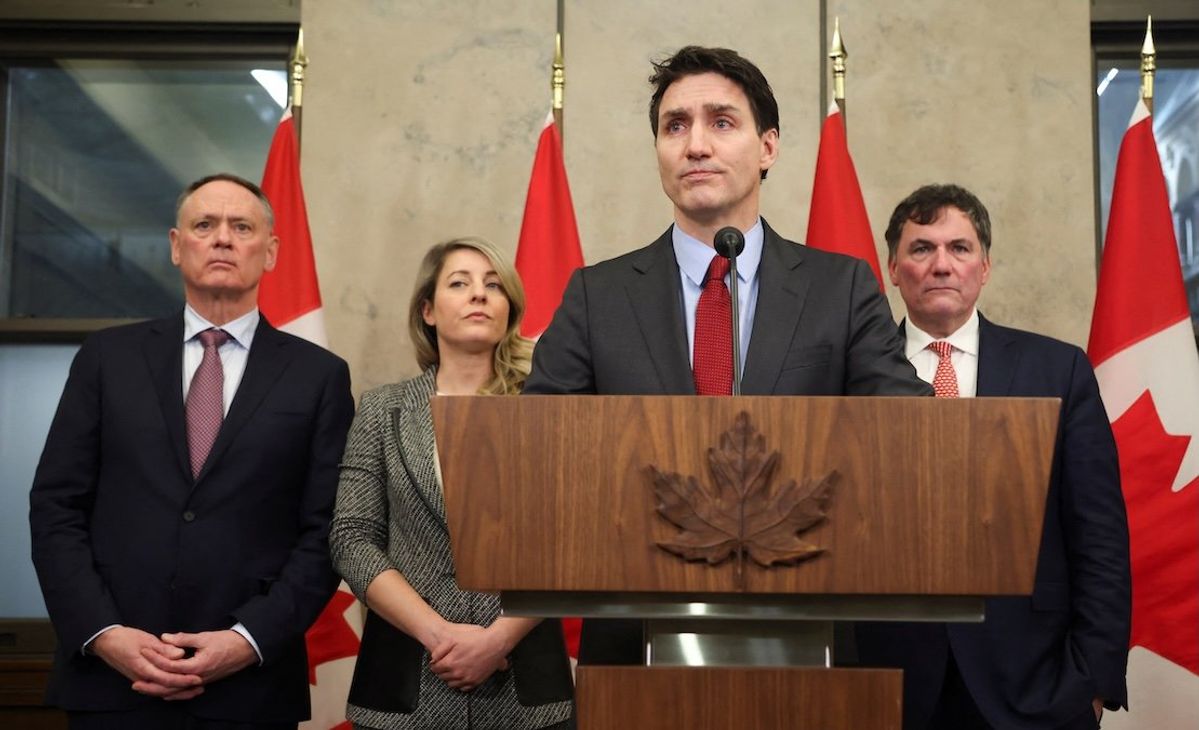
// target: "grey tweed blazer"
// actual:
[[390, 513]]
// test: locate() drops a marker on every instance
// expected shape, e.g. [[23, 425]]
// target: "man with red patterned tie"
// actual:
[[180, 511], [656, 321], [1055, 659]]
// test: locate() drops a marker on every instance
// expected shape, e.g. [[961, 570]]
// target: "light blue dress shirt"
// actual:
[[693, 258]]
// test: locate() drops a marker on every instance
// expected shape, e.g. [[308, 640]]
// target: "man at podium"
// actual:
[[1056, 658], [657, 321]]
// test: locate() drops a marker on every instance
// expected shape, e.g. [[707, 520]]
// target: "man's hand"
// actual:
[[466, 655], [1097, 706], [217, 654], [140, 657]]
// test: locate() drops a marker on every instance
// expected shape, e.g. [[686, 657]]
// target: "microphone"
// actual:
[[729, 243]]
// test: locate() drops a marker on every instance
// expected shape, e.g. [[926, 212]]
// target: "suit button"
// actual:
[[189, 516]]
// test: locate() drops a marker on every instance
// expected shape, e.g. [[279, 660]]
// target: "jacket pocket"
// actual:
[[807, 357], [387, 673]]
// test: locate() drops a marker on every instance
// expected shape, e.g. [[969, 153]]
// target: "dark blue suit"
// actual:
[[1037, 662], [122, 533]]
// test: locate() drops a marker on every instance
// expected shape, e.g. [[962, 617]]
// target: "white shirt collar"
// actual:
[[965, 338], [241, 330]]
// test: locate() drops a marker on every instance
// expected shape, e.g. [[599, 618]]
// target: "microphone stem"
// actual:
[[736, 301]]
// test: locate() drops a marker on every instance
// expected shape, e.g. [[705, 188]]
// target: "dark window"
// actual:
[[101, 132]]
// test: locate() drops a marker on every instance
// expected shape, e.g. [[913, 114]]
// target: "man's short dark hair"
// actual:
[[236, 180], [695, 60], [925, 205]]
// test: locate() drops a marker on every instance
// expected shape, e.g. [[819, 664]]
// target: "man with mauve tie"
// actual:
[[180, 511]]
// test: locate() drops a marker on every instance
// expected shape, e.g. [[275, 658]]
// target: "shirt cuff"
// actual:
[[85, 649], [241, 629]]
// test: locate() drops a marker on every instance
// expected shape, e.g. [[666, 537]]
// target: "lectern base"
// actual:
[[750, 698], [727, 643]]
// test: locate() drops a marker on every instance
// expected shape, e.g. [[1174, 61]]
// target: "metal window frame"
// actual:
[[31, 41]]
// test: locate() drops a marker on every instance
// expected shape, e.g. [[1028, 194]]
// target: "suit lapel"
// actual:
[[655, 297], [413, 423], [997, 359], [267, 359], [782, 289], [163, 350]]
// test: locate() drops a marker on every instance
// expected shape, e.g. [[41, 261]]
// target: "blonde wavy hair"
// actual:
[[513, 355]]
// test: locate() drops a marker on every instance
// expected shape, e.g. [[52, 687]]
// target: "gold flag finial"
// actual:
[[1148, 65], [299, 61], [838, 54], [558, 82]]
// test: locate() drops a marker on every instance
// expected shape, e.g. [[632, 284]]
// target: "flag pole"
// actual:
[[1148, 65], [837, 54], [299, 62], [558, 80]]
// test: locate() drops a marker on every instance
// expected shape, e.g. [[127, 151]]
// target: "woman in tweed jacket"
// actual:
[[434, 656]]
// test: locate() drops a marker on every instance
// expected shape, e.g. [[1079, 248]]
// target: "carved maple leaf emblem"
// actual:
[[743, 511]]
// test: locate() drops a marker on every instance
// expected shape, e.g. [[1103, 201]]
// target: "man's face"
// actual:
[[710, 155], [223, 242], [940, 268]]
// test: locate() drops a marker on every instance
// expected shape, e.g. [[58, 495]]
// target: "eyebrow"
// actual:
[[930, 241], [710, 108], [491, 272], [218, 216]]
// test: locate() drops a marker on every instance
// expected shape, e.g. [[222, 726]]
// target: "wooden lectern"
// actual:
[[928, 506]]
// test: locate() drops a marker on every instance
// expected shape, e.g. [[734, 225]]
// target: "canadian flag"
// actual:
[[290, 298], [549, 251], [837, 219], [1143, 350]]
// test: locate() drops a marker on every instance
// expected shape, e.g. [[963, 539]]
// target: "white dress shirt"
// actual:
[[234, 352], [964, 357]]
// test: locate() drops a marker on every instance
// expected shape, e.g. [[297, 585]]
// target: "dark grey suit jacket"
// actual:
[[821, 328]]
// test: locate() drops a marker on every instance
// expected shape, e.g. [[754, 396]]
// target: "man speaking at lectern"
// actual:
[[1053, 660], [657, 321]]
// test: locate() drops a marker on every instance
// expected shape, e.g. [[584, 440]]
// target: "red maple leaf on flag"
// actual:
[[331, 637], [1165, 562]]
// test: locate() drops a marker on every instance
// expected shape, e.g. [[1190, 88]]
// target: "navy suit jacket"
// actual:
[[1037, 661], [122, 533]]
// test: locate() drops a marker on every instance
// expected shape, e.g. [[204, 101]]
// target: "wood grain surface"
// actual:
[[932, 496], [712, 698]]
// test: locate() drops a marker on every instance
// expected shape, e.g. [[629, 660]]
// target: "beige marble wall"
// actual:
[[421, 120], [998, 98]]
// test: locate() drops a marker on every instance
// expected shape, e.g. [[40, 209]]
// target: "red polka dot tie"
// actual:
[[205, 400], [945, 382], [712, 358]]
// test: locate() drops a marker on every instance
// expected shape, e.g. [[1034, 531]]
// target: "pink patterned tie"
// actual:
[[945, 382], [205, 399], [712, 358]]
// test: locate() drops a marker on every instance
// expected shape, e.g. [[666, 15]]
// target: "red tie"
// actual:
[[945, 382], [712, 360], [205, 400]]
